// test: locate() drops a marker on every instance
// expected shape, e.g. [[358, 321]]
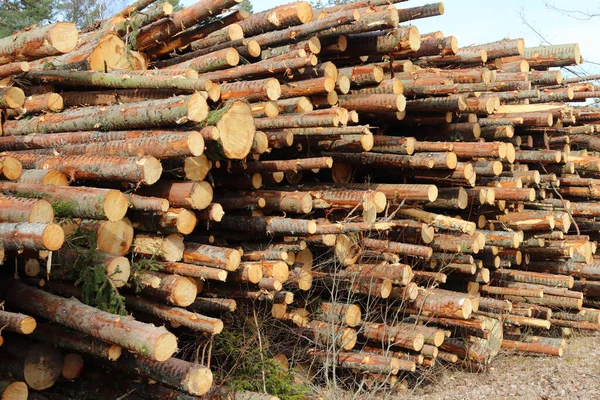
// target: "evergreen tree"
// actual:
[[20, 14], [246, 5]]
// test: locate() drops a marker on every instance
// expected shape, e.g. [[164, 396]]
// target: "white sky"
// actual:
[[482, 21]]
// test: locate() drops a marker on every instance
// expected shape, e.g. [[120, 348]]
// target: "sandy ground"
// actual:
[[575, 375]]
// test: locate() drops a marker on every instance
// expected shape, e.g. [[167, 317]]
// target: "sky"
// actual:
[[483, 21]]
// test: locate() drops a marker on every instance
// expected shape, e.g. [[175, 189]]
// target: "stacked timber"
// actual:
[[392, 199]]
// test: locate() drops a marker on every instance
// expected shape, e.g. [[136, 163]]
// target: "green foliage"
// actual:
[[84, 13], [20, 14], [143, 264], [242, 359], [97, 289]]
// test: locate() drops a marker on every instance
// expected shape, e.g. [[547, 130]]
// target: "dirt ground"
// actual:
[[575, 375]]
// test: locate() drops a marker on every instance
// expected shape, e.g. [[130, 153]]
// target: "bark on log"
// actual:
[[129, 116], [156, 343]]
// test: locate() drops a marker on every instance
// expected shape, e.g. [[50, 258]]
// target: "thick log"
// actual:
[[156, 343], [16, 209], [170, 288], [39, 42], [191, 195], [338, 313]]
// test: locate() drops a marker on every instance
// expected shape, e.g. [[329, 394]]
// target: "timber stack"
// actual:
[[392, 199]]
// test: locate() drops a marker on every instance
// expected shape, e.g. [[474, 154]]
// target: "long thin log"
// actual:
[[145, 339]]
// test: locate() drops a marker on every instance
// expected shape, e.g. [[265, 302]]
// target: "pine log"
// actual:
[[14, 68], [18, 323], [162, 30], [33, 236], [153, 342], [268, 225], [146, 169], [11, 97], [195, 379], [89, 203], [129, 116], [177, 315], [76, 341], [191, 195], [168, 248], [39, 42], [212, 256]]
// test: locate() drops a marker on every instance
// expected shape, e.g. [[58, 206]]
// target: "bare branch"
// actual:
[[575, 14]]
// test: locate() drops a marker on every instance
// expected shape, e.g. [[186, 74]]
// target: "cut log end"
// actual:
[[64, 36], [53, 237], [202, 195], [237, 129], [114, 352], [115, 205], [41, 212], [197, 109], [195, 142], [253, 48], [273, 88], [27, 325], [16, 391], [118, 271], [166, 346], [199, 381], [152, 169], [414, 38], [13, 97], [232, 57], [42, 366], [72, 366], [11, 168]]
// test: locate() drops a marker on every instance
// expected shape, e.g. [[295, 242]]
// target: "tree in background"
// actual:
[[327, 3], [246, 5], [85, 12], [19, 14]]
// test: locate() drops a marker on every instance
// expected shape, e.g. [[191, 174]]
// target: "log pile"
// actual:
[[392, 199]]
